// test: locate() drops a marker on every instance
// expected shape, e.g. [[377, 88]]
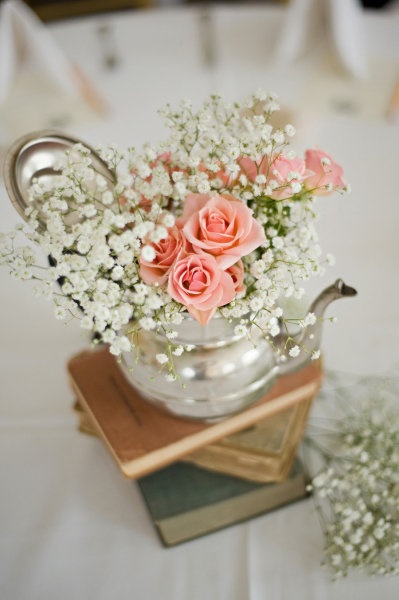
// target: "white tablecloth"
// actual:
[[70, 525]]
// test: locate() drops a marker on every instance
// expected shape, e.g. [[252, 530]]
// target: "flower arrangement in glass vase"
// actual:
[[215, 223]]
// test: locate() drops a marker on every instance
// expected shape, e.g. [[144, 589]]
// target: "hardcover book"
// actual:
[[186, 502], [264, 452], [142, 438]]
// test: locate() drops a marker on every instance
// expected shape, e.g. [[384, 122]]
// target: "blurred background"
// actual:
[[99, 70], [60, 9]]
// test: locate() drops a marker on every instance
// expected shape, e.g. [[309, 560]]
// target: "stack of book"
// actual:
[[197, 477]]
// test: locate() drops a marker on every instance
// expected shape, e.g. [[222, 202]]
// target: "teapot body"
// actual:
[[222, 373]]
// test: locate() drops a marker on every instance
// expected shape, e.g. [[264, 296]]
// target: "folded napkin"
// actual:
[[39, 87], [25, 40], [339, 21]]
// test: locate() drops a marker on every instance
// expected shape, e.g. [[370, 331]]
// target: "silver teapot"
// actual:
[[224, 372]]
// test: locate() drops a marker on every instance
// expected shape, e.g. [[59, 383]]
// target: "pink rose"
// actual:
[[236, 272], [225, 177], [197, 282], [222, 226], [162, 160], [288, 175], [285, 175], [251, 168], [326, 174], [166, 253]]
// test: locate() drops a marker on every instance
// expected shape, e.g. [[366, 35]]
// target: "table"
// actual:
[[71, 526]]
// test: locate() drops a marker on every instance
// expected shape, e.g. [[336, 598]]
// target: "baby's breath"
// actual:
[[357, 487], [97, 229]]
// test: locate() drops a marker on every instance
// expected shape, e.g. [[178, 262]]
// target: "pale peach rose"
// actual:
[[166, 253], [326, 174], [236, 272], [287, 173], [280, 171], [226, 178], [220, 225], [197, 282], [162, 160], [251, 168]]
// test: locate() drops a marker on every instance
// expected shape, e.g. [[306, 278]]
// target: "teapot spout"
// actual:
[[310, 338]]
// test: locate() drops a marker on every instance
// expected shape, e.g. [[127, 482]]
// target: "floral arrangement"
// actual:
[[219, 217], [356, 488]]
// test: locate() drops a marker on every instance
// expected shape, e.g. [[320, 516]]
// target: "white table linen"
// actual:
[[70, 525]]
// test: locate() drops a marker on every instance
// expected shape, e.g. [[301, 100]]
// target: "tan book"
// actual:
[[85, 422], [264, 452], [142, 438]]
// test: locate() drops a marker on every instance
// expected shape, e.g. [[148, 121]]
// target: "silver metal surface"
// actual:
[[36, 156], [221, 375], [224, 372]]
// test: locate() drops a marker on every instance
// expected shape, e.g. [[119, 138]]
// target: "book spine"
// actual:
[[180, 528]]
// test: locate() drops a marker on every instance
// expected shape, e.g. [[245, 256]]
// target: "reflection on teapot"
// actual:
[[224, 372]]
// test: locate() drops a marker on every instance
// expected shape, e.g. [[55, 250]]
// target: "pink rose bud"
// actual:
[[220, 225], [197, 282], [326, 174]]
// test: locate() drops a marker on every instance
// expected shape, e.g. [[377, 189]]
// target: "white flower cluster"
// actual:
[[358, 489], [96, 224]]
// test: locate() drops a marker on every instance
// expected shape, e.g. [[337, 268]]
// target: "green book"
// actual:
[[186, 501]]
